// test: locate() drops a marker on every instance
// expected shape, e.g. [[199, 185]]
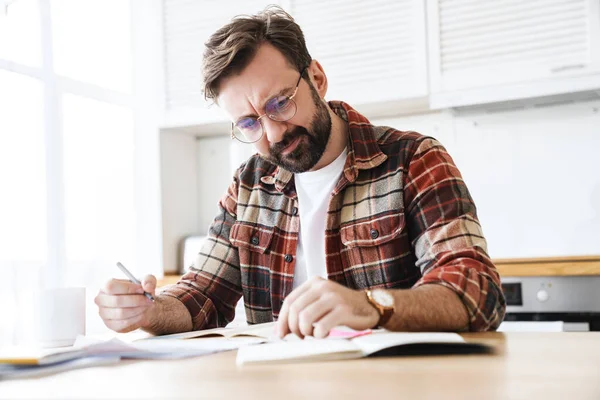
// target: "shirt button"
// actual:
[[288, 258], [254, 240], [374, 233], [295, 211]]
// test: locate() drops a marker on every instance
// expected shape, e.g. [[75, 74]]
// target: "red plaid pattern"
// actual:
[[400, 216]]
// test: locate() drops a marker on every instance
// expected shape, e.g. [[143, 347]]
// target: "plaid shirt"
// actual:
[[400, 216]]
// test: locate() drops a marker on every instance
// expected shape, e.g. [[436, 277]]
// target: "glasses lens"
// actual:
[[280, 108], [248, 130]]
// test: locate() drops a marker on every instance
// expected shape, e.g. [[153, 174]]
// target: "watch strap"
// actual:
[[385, 317]]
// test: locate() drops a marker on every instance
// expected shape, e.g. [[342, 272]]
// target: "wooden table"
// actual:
[[526, 366]]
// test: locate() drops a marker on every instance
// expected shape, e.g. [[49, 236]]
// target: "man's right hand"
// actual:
[[123, 306]]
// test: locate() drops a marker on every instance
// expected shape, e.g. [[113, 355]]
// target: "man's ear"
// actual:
[[318, 78]]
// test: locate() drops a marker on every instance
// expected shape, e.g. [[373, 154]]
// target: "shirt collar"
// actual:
[[363, 149]]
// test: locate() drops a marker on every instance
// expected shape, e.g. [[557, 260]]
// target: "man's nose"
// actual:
[[274, 130]]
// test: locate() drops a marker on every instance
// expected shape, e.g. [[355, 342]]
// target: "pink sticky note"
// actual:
[[347, 333]]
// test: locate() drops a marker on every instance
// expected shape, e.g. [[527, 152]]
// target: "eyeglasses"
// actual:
[[278, 108]]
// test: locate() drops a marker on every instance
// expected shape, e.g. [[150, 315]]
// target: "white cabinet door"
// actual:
[[476, 44], [373, 52], [187, 26]]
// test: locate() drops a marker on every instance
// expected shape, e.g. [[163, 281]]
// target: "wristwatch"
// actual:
[[383, 302]]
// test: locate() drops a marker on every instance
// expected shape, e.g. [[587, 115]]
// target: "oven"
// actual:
[[551, 303]]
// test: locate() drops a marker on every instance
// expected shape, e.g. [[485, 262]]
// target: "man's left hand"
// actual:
[[318, 305]]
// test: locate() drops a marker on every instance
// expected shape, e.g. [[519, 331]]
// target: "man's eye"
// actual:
[[282, 102], [277, 104], [246, 123]]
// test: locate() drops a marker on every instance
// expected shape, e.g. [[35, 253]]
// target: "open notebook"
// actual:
[[378, 343], [263, 331]]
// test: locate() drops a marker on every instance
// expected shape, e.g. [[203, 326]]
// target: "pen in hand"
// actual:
[[133, 279]]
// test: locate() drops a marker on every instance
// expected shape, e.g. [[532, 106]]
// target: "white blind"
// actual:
[[371, 51], [187, 26], [503, 41]]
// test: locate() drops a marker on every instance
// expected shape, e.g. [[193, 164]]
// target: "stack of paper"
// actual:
[[20, 371], [24, 362]]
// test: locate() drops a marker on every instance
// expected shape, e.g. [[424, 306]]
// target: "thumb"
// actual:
[[149, 284]]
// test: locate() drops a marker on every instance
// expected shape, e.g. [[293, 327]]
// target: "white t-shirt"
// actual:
[[314, 193]]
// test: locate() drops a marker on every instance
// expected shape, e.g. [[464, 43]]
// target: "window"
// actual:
[[91, 42], [70, 151], [98, 165], [20, 37], [22, 169], [23, 237]]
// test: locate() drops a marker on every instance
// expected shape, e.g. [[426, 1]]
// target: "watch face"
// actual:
[[383, 298]]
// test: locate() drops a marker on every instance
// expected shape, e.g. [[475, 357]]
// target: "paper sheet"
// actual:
[[166, 348], [34, 371]]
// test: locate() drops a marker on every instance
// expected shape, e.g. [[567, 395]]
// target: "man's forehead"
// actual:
[[248, 91], [268, 65]]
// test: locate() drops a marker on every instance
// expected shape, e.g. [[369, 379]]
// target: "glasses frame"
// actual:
[[260, 117]]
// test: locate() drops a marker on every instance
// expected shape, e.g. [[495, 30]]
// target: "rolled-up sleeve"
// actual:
[[447, 237], [211, 288]]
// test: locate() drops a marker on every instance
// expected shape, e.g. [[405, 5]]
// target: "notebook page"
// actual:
[[298, 350], [266, 331], [370, 344], [187, 335], [168, 349]]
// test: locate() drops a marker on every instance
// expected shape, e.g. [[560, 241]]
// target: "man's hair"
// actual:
[[231, 48]]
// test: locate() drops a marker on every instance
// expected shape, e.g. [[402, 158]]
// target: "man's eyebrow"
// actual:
[[262, 106]]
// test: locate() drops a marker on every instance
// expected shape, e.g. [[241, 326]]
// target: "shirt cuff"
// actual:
[[201, 308], [479, 293]]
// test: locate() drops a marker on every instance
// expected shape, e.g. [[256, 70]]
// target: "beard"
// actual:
[[312, 142]]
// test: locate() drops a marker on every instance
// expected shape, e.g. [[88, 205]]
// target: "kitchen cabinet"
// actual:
[[374, 53], [492, 51]]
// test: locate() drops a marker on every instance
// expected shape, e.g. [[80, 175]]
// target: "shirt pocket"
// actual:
[[251, 237], [377, 253], [375, 231]]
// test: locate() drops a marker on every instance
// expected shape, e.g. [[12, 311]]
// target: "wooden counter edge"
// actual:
[[549, 266]]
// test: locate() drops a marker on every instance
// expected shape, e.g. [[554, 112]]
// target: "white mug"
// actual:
[[61, 316]]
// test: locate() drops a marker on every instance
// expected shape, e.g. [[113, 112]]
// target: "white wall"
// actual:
[[214, 176], [179, 187], [534, 174]]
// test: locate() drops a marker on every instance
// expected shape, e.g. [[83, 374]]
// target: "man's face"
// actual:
[[296, 144]]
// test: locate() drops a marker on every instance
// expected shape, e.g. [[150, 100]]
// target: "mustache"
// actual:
[[287, 139]]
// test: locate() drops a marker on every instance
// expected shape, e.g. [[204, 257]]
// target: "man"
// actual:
[[333, 222]]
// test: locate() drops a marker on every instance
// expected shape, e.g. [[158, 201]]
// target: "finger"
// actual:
[[125, 325], [282, 320], [149, 284], [334, 318], [121, 301], [120, 286], [313, 313], [121, 313], [297, 306]]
